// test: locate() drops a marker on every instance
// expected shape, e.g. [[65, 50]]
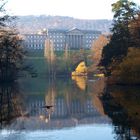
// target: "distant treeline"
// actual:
[[25, 23]]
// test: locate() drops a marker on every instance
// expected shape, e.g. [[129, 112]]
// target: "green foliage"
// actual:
[[124, 10], [63, 65], [121, 40], [67, 62]]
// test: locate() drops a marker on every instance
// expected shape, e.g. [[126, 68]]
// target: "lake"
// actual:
[[69, 109]]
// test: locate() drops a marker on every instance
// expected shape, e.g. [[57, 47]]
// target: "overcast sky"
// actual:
[[84, 9]]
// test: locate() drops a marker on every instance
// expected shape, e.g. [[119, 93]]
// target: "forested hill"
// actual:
[[32, 24]]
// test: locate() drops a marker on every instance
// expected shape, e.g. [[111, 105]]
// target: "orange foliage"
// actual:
[[97, 48]]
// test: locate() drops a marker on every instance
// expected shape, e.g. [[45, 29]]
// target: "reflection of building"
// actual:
[[64, 114], [64, 110], [74, 38]]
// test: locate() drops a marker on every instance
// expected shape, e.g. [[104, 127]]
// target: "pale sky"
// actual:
[[83, 9]]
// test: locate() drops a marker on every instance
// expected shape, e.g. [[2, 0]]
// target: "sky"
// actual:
[[82, 9]]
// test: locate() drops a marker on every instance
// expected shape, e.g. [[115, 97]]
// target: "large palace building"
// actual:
[[74, 39]]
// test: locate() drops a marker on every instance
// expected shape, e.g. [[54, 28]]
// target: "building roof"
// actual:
[[65, 31], [72, 29]]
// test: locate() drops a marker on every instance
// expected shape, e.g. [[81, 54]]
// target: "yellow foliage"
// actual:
[[81, 70], [80, 81], [81, 67]]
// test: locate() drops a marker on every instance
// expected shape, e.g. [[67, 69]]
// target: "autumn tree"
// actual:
[[97, 47]]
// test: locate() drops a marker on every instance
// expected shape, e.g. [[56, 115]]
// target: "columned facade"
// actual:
[[75, 39]]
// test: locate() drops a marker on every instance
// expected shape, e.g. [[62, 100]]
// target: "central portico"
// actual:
[[74, 39]]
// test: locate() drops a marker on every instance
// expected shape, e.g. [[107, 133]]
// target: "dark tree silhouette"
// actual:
[[124, 12], [11, 52]]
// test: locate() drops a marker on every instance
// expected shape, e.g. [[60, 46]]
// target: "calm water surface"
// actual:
[[68, 109]]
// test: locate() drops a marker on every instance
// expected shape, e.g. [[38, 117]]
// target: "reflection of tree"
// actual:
[[65, 98], [50, 96], [10, 103], [97, 89], [49, 100], [71, 90], [122, 106], [80, 81]]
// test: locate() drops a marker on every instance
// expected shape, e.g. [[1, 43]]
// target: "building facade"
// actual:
[[74, 39], [34, 41]]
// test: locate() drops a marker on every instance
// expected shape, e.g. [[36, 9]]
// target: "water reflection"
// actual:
[[66, 103], [11, 105], [81, 81], [122, 105]]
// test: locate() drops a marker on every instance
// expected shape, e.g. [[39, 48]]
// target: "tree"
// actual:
[[11, 55], [4, 18], [66, 53], [128, 71], [134, 28], [11, 52], [97, 48], [116, 50], [50, 56]]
